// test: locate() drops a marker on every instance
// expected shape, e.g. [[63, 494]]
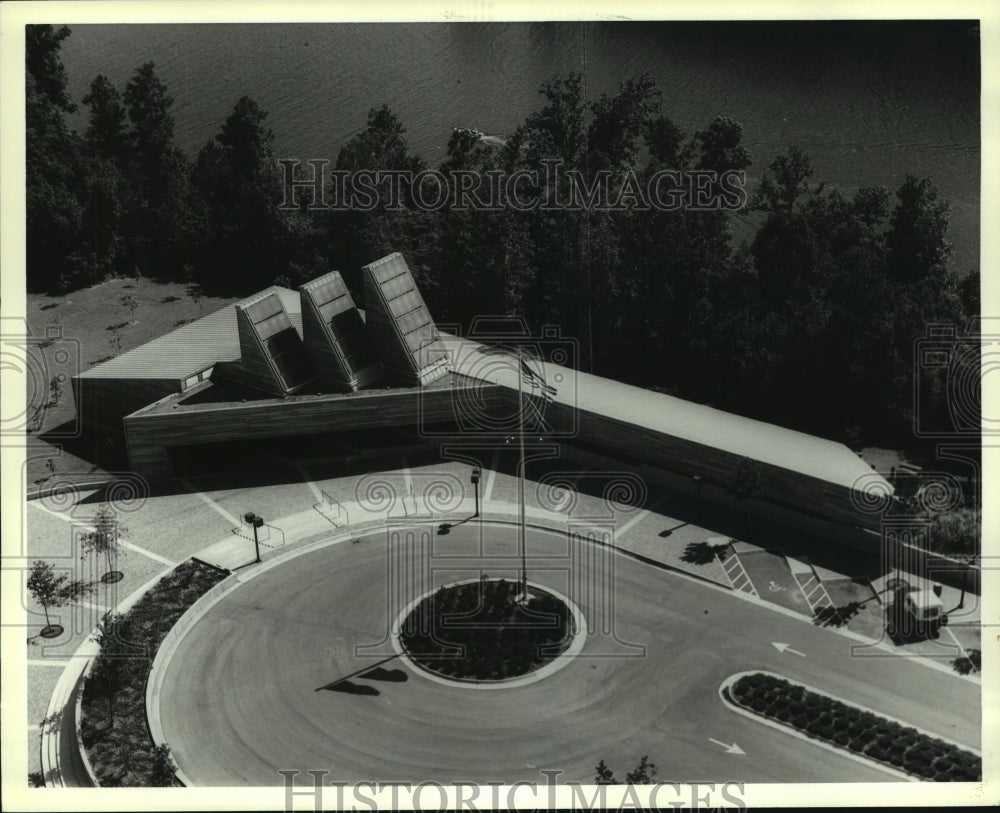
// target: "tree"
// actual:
[[107, 192], [105, 135], [787, 181], [106, 536], [52, 167], [747, 484], [130, 302], [356, 236], [916, 242], [55, 390], [642, 774], [605, 776], [956, 532], [51, 590], [619, 123], [245, 241], [161, 217], [720, 146]]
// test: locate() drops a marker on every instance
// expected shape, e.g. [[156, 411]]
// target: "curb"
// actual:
[[563, 659], [726, 685], [69, 681]]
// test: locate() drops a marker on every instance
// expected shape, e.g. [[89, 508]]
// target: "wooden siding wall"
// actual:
[[151, 433], [104, 402]]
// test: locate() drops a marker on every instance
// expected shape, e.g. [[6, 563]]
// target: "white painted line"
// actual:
[[960, 647], [161, 559], [211, 503], [53, 662], [491, 477], [308, 481], [122, 542], [407, 480]]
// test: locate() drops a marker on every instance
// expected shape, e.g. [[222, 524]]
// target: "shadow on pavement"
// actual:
[[701, 553], [347, 687]]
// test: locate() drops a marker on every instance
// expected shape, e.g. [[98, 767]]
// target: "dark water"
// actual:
[[868, 102]]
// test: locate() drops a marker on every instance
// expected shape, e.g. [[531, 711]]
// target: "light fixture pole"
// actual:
[[256, 521], [476, 474]]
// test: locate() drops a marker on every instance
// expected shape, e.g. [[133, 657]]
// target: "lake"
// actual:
[[869, 102]]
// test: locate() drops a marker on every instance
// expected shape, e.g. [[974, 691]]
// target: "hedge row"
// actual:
[[861, 732], [113, 725]]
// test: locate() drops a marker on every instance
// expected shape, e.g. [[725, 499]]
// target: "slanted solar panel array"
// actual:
[[400, 324], [270, 348], [334, 334]]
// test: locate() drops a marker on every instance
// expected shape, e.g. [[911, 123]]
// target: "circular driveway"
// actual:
[[271, 677]]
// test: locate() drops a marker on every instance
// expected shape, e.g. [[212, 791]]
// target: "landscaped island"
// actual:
[[860, 731], [485, 630], [113, 722]]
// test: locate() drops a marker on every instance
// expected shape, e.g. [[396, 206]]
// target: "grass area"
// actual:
[[93, 325], [861, 732], [113, 725]]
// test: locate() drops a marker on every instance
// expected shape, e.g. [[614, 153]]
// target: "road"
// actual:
[[242, 697]]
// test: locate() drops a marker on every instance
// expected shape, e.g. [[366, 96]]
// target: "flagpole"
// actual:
[[520, 481]]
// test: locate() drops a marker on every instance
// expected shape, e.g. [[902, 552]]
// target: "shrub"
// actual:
[[115, 733], [860, 731]]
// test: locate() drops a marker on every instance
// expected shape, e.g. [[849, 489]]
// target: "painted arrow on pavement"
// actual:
[[730, 749], [783, 648]]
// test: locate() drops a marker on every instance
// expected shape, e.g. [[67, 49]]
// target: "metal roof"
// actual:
[[767, 443], [192, 347]]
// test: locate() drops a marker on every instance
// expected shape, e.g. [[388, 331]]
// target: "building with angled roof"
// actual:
[[282, 364]]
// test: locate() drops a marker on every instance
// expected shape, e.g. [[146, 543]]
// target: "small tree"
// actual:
[[130, 302], [51, 590], [747, 484], [194, 291], [50, 466], [55, 390], [116, 339], [605, 776], [106, 536], [643, 773]]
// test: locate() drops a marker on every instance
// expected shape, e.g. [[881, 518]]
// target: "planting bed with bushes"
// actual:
[[113, 722], [481, 631], [861, 732]]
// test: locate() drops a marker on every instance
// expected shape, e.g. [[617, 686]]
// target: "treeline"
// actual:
[[808, 320]]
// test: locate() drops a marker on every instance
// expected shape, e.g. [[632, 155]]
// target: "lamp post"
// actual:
[[251, 518], [476, 474]]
